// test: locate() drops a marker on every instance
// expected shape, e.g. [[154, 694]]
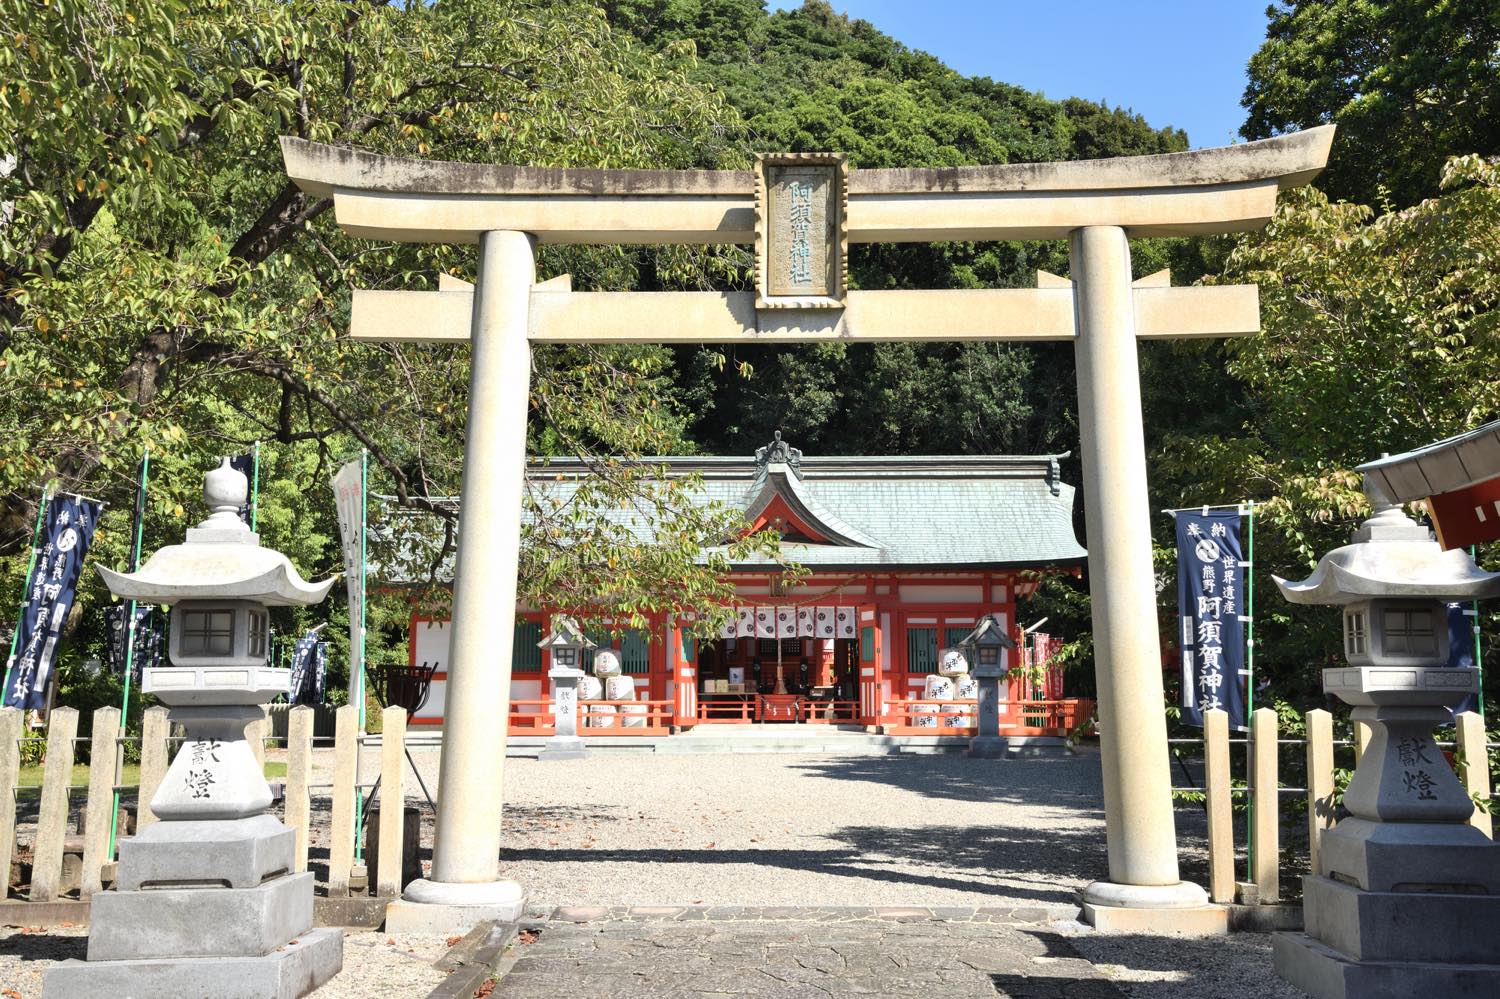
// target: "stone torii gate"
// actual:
[[801, 211]]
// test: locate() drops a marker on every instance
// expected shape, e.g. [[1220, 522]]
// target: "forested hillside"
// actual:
[[812, 79]]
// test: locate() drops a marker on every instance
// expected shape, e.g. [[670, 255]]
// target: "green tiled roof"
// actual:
[[888, 513]]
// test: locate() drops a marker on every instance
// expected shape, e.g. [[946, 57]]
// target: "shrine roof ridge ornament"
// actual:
[[1222, 189], [1292, 159]]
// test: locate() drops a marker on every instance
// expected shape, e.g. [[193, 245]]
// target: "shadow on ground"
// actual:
[[1003, 861], [1071, 782]]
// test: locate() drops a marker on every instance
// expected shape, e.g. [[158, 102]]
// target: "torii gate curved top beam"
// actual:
[[1224, 189]]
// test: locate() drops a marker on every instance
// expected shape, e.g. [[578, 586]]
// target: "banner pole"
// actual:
[[36, 538], [364, 495], [1250, 688], [135, 562], [1478, 653], [254, 484]]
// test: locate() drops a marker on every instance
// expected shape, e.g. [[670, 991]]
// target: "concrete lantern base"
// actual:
[[239, 853], [1323, 972], [451, 907], [292, 971], [990, 747], [1179, 908], [563, 748]]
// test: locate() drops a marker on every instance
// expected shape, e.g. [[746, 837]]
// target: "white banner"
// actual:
[[825, 622], [765, 622], [349, 498], [744, 625], [846, 622], [805, 628]]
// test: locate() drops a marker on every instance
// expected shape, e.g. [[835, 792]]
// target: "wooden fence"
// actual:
[[1268, 798], [56, 836]]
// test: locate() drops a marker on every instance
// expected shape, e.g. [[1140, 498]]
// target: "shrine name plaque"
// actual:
[[801, 230]]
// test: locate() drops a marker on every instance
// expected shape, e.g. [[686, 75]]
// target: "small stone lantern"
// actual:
[[566, 644], [986, 646], [206, 900], [1406, 900]]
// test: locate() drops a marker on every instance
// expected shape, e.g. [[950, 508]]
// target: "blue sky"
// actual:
[[1177, 62]]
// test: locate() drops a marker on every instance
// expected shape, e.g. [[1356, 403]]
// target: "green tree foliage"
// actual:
[[1379, 333], [164, 284], [1409, 85]]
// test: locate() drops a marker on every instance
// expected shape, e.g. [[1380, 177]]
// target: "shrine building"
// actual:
[[904, 555]]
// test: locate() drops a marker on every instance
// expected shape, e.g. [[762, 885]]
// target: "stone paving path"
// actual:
[[799, 953]]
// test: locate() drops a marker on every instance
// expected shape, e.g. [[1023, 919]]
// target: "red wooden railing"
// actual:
[[916, 716], [920, 716], [624, 718], [830, 712], [728, 712], [601, 718]]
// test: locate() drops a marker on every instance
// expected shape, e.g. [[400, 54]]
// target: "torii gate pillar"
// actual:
[[1142, 841], [466, 888]]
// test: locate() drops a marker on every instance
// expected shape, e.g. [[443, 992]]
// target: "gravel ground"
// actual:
[[26, 953], [767, 829], [1146, 967], [785, 830]]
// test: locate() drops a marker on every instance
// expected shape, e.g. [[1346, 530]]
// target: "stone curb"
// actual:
[[472, 960], [350, 913], [798, 913]]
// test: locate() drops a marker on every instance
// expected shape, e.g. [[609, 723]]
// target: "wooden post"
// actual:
[[1361, 741], [256, 732], [102, 743], [299, 746], [1475, 768], [392, 799], [10, 775], [341, 830], [52, 824], [1266, 872], [1220, 814], [154, 760], [1319, 783]]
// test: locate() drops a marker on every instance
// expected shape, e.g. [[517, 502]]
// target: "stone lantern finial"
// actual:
[[225, 489]]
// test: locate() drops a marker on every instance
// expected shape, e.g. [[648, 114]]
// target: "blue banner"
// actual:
[[148, 640], [245, 464], [67, 531], [1463, 630], [1211, 615], [309, 670]]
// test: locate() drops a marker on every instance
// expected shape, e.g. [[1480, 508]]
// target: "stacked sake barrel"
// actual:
[[609, 683], [955, 667]]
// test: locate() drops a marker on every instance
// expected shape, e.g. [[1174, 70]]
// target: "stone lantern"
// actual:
[[986, 646], [1406, 900], [206, 901], [566, 644]]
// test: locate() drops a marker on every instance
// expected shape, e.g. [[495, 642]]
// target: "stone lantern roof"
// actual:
[[221, 559], [1391, 556]]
